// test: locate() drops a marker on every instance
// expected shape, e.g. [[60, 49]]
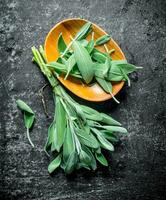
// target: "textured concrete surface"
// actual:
[[138, 166]]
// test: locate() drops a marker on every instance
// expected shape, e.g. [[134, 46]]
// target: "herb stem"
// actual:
[[28, 136]]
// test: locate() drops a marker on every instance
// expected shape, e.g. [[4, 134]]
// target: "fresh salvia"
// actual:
[[78, 134]]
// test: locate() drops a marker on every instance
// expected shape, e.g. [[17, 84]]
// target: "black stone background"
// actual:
[[138, 167]]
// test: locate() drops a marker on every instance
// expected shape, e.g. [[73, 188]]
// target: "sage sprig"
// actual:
[[29, 117]]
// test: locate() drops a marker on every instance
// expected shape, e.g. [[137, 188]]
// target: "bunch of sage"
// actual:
[[81, 59], [77, 133]]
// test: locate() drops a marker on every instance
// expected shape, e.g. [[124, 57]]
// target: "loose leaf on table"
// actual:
[[61, 44], [101, 158], [54, 164], [29, 117], [24, 107], [103, 39], [60, 123], [84, 62], [84, 31]]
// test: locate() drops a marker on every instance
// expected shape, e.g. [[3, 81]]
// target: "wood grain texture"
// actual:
[[137, 168]]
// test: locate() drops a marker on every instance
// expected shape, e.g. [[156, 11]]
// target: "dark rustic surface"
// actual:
[[138, 166]]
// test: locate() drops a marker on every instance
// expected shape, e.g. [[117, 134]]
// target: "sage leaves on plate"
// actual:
[[81, 59], [29, 117]]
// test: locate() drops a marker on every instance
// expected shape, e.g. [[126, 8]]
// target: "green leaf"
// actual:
[[115, 129], [110, 136], [103, 39], [61, 44], [53, 136], [109, 120], [106, 85], [54, 164], [98, 56], [85, 158], [84, 62], [70, 64], [60, 123], [24, 107], [83, 42], [101, 158], [71, 163], [90, 46], [84, 31], [104, 142], [87, 139], [82, 165], [28, 119], [68, 145], [49, 138], [93, 164]]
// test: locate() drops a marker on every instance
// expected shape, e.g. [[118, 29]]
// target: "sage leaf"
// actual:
[[109, 120], [24, 107], [82, 165], [60, 123], [103, 141], [83, 42], [90, 46], [101, 158], [106, 85], [53, 136], [93, 164], [71, 163], [103, 39], [70, 64], [115, 129], [85, 158], [84, 62], [68, 145], [98, 56], [84, 31], [54, 164], [110, 136], [61, 44], [29, 117], [28, 120], [87, 139]]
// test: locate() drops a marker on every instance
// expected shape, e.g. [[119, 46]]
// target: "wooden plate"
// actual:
[[70, 27]]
